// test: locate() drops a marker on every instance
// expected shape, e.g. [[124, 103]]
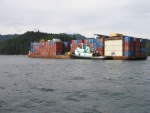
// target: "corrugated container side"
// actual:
[[128, 48], [128, 39], [137, 54], [100, 50], [137, 44], [97, 40], [130, 44], [137, 49], [143, 49], [113, 53], [101, 40], [94, 46], [114, 48], [72, 41], [100, 44], [136, 39], [114, 43], [143, 54], [141, 40], [129, 53], [144, 41]]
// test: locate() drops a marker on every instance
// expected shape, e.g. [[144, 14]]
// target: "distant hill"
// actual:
[[20, 45], [77, 36], [6, 37]]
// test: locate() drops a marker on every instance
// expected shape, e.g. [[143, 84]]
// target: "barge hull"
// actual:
[[129, 58], [52, 57]]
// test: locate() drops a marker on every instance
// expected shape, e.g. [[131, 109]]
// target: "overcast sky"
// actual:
[[87, 17]]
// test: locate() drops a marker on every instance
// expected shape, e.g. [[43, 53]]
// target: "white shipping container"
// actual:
[[114, 43], [113, 53], [114, 48]]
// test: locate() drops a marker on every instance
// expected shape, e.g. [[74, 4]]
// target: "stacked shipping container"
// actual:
[[49, 48], [91, 43], [143, 47], [100, 45], [75, 44], [114, 47], [137, 47], [128, 46], [94, 44]]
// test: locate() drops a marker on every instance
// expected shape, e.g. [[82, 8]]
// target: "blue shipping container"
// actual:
[[67, 43], [51, 42], [76, 41], [143, 49], [144, 41], [128, 39], [91, 40], [100, 44], [128, 53], [141, 40], [94, 46]]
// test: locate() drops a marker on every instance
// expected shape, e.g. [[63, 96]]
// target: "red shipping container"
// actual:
[[130, 44], [137, 49], [40, 45], [100, 51], [143, 54], [72, 41], [59, 43], [127, 48], [137, 54], [137, 44], [143, 45], [101, 40], [136, 39]]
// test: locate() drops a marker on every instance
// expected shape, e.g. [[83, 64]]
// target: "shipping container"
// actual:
[[114, 48], [130, 44], [128, 53], [128, 48], [113, 53], [128, 39], [113, 42]]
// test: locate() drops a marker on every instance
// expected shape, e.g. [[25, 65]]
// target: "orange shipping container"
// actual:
[[127, 48], [130, 44]]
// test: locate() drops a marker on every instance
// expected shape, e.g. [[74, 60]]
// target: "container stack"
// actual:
[[75, 44], [143, 47], [114, 45], [91, 43], [100, 45], [137, 47], [66, 47], [128, 46], [56, 48], [49, 48]]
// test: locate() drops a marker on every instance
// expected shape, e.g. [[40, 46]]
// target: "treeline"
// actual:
[[20, 45]]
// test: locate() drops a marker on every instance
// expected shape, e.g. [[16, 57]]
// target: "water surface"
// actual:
[[73, 86]]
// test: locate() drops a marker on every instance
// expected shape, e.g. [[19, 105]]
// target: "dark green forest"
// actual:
[[20, 44]]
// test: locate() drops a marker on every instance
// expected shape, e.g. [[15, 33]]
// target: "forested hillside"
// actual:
[[6, 37], [21, 44]]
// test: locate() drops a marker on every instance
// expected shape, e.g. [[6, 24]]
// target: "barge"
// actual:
[[113, 47]]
